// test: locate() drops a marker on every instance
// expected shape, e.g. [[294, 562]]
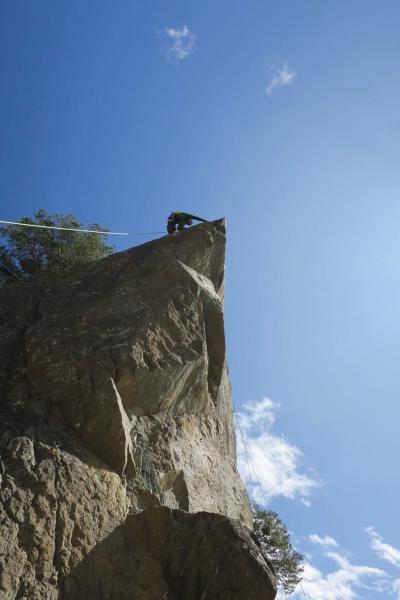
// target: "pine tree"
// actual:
[[274, 540]]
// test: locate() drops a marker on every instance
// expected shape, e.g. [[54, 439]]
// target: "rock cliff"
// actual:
[[118, 473]]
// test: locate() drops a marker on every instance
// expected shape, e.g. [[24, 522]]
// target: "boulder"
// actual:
[[173, 555]]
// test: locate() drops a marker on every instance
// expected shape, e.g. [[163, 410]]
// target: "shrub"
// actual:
[[28, 250], [275, 543]]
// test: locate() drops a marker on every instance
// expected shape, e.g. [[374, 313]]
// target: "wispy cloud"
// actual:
[[325, 541], [383, 550], [270, 458], [346, 581], [283, 76], [342, 583], [181, 43], [396, 588]]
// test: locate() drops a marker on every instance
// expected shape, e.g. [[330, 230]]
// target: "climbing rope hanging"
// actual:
[[248, 457], [99, 232], [306, 596], [250, 463]]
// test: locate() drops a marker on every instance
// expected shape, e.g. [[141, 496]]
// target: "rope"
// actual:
[[146, 233], [306, 596], [80, 230], [249, 461]]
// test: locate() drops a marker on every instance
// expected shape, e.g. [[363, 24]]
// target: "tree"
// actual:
[[275, 543], [7, 269], [30, 250]]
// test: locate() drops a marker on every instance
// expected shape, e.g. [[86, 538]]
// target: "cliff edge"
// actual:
[[118, 473]]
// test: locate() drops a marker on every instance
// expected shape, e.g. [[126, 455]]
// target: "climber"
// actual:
[[178, 220]]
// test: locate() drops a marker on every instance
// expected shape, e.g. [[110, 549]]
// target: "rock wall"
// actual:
[[114, 403]]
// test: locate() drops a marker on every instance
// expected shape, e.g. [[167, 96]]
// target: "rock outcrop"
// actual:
[[118, 473]]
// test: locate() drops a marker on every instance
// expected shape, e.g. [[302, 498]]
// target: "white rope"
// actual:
[[248, 458], [250, 462], [306, 596], [63, 228]]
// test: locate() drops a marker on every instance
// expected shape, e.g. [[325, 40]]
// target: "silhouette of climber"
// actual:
[[178, 220]]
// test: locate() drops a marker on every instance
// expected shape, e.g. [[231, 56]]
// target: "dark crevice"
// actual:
[[215, 343], [58, 527]]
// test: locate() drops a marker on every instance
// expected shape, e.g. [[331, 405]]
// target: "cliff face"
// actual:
[[116, 417]]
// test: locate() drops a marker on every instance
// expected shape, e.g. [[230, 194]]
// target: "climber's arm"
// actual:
[[197, 218]]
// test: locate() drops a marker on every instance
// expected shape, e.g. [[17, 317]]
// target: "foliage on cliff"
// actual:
[[30, 250], [274, 539]]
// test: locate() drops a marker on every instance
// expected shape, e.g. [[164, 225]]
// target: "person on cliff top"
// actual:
[[177, 221]]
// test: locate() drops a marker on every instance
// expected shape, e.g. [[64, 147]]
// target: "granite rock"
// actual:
[[115, 409]]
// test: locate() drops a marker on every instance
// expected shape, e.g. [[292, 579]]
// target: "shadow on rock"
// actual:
[[164, 554]]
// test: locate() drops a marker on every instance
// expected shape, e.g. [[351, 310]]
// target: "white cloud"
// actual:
[[383, 550], [181, 43], [341, 584], [269, 458], [396, 588], [325, 541], [282, 77]]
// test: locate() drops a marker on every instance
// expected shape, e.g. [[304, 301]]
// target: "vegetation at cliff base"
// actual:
[[29, 250], [274, 540]]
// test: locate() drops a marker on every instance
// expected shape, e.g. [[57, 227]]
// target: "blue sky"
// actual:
[[283, 117]]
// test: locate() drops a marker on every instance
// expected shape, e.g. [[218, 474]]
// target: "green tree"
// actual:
[[7, 269], [275, 543], [29, 250]]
